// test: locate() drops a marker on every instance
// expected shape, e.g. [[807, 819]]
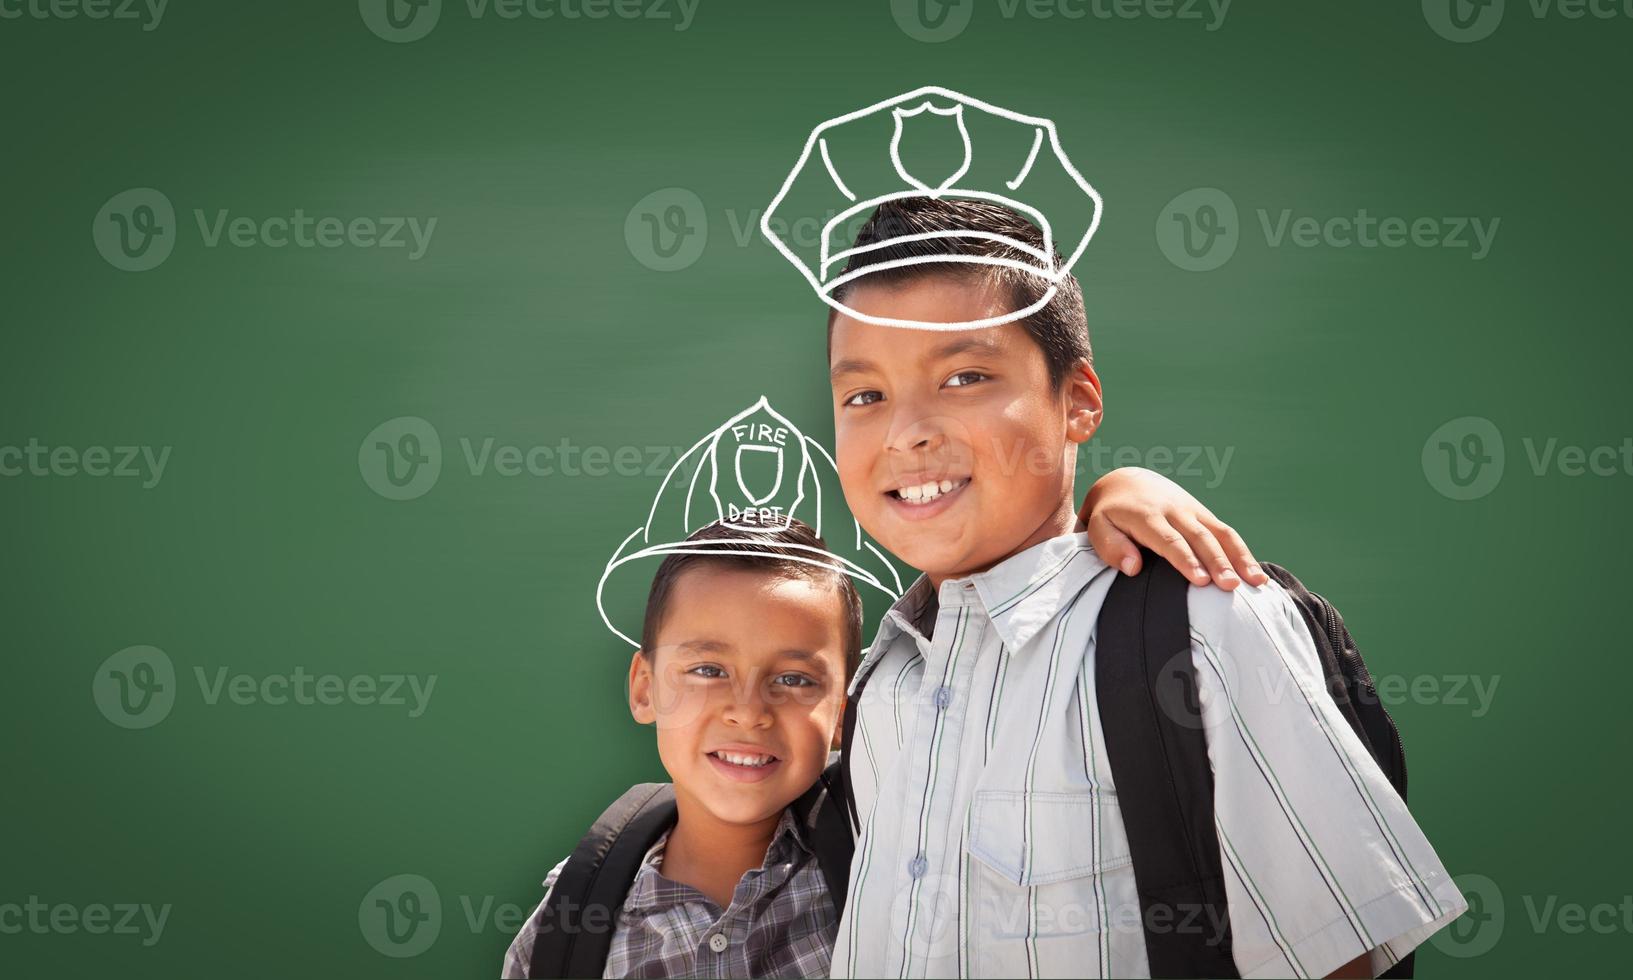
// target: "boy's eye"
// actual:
[[964, 379], [706, 670], [794, 680], [862, 398]]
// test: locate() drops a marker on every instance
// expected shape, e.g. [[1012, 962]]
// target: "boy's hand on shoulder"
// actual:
[[1131, 506]]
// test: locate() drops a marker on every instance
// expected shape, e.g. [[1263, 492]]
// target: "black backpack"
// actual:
[[581, 913], [1159, 755]]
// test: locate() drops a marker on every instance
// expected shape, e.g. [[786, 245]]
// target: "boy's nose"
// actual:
[[748, 710], [920, 435]]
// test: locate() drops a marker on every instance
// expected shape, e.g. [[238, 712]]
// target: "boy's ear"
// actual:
[[837, 741], [1084, 405], [640, 689]]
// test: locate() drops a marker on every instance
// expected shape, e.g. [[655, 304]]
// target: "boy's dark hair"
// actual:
[[1060, 329], [772, 556]]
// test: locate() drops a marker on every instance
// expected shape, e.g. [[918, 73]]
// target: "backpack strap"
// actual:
[[578, 920], [823, 816], [1151, 718]]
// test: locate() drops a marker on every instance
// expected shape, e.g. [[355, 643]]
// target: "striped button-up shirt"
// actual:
[[780, 922], [993, 844]]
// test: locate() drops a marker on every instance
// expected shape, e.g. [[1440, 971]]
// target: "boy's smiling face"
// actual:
[[954, 449], [746, 688]]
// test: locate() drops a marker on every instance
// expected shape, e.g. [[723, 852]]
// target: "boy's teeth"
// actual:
[[754, 761], [923, 493]]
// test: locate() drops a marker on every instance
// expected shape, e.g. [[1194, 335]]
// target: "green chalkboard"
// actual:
[[1361, 285]]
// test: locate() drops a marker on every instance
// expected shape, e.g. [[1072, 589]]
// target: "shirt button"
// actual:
[[718, 942], [944, 697], [918, 866]]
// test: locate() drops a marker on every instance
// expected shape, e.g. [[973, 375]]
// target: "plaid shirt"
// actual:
[[780, 923]]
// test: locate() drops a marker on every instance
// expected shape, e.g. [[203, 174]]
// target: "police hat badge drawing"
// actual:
[[931, 142], [752, 474]]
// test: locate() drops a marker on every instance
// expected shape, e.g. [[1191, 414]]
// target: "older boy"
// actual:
[[993, 843]]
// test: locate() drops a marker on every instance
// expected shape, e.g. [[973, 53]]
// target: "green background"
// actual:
[[531, 319]]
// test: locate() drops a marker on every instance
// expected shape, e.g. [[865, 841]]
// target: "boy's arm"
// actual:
[[1361, 966], [519, 957], [1131, 506], [1324, 865]]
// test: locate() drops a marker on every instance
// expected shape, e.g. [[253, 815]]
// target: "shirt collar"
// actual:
[[1020, 595], [651, 891]]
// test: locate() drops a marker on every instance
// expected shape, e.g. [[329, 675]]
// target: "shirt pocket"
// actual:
[[1047, 876], [1033, 839]]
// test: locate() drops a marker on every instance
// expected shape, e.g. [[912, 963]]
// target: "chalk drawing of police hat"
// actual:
[[853, 163], [753, 474]]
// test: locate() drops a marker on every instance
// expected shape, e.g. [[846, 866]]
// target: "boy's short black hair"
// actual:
[[1060, 329], [772, 556]]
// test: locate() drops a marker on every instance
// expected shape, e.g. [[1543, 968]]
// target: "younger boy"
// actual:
[[742, 669], [992, 840]]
